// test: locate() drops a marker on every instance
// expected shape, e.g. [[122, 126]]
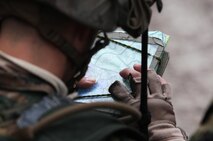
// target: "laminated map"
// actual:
[[122, 52]]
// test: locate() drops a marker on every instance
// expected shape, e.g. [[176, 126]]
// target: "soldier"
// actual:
[[47, 44]]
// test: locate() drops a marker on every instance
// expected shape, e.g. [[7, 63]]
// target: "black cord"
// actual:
[[146, 118]]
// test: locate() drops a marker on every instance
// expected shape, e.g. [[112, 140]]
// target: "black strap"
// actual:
[[146, 117], [159, 5]]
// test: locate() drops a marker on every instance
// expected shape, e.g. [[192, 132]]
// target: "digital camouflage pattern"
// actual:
[[19, 90], [26, 98]]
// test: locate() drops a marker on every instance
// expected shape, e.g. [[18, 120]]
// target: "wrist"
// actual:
[[162, 131]]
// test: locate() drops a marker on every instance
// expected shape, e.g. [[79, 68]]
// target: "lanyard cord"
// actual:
[[146, 117]]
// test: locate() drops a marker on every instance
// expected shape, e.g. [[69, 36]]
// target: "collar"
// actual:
[[59, 85]]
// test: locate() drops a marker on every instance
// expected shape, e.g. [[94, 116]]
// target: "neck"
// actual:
[[26, 44]]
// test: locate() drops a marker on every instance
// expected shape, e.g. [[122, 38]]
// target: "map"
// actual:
[[108, 62]]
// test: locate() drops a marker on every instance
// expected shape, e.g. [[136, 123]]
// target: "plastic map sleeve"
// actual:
[[108, 62]]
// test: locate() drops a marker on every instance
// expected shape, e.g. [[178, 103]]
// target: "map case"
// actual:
[[122, 52]]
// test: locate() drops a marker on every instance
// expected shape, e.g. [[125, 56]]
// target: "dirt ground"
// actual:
[[190, 70]]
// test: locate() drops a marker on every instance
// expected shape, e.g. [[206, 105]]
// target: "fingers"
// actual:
[[137, 67], [86, 82], [167, 91], [120, 92], [154, 82], [135, 84], [158, 87], [125, 73], [135, 73], [162, 81]]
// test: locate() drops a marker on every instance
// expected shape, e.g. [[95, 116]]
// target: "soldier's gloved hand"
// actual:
[[159, 94], [159, 99], [163, 124]]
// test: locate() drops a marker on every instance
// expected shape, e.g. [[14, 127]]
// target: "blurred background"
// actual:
[[190, 69]]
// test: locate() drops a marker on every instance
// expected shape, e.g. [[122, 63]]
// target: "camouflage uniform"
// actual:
[[28, 93], [21, 86]]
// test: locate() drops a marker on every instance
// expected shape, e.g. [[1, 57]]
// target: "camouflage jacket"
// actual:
[[28, 93]]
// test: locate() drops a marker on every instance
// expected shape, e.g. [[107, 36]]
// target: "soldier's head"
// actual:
[[58, 35]]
